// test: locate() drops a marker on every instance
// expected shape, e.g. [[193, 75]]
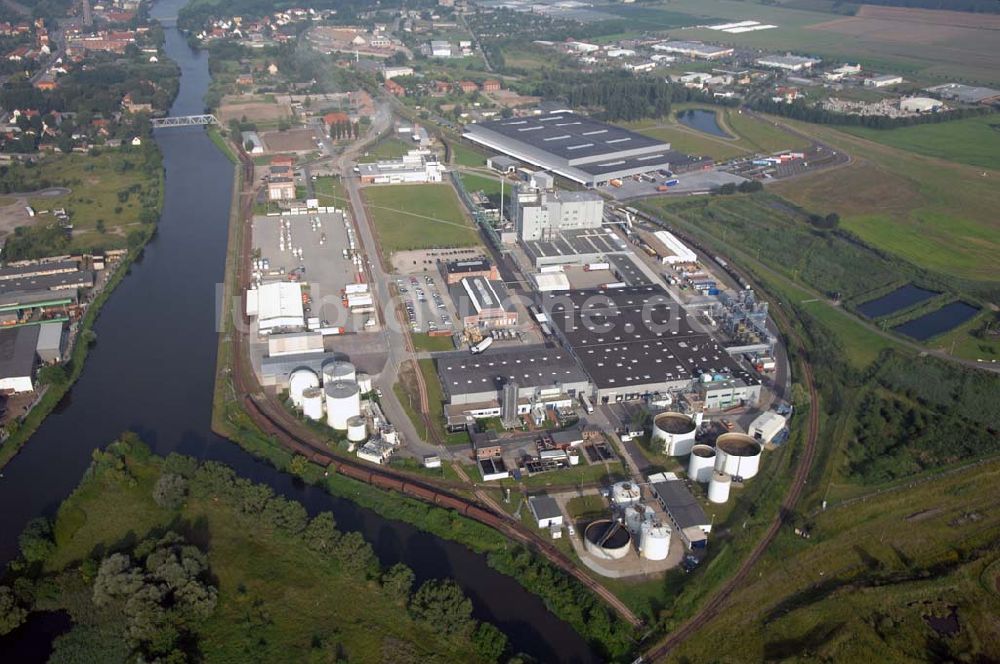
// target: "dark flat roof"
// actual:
[[468, 265], [579, 242], [17, 350], [628, 271], [681, 504], [530, 366], [544, 507], [47, 282], [38, 268]]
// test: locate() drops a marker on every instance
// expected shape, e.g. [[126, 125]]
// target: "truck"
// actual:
[[587, 406], [615, 183], [485, 343], [330, 331], [593, 267], [616, 284]]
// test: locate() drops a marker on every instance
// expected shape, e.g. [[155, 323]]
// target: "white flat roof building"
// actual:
[[788, 62], [276, 305], [766, 426]]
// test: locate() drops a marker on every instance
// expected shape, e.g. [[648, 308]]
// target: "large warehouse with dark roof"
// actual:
[[573, 146]]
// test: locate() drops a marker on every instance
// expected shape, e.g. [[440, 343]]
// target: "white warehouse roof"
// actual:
[[276, 305]]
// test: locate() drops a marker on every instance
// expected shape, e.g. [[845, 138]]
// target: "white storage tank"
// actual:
[[635, 516], [676, 431], [738, 455], [364, 382], [338, 370], [357, 431], [625, 493], [343, 401], [298, 382], [312, 403], [718, 487], [654, 542], [702, 463]]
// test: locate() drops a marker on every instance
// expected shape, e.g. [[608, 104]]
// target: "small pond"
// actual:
[[903, 297], [702, 120], [937, 322]]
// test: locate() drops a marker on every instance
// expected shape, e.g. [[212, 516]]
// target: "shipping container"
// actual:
[[592, 267]]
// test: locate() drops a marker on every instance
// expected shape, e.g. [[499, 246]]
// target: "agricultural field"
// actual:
[[892, 578], [108, 197], [935, 214], [972, 141], [418, 216], [265, 561]]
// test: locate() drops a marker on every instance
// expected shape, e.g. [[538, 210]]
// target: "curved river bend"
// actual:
[[152, 371]]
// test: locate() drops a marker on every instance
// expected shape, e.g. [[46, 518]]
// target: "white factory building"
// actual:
[[883, 81], [788, 62], [692, 49], [276, 305], [416, 167], [541, 211]]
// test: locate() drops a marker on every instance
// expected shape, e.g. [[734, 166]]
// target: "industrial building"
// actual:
[[590, 245], [542, 213], [787, 62], [574, 146], [766, 426], [635, 340], [883, 81], [416, 167], [693, 49], [685, 514], [455, 271], [965, 94], [502, 164], [546, 511], [36, 269], [483, 304], [276, 305], [18, 354], [51, 342], [920, 104], [542, 374]]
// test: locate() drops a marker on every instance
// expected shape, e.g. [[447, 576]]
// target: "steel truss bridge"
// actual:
[[184, 121]]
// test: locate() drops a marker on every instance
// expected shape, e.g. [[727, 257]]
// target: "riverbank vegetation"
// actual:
[[176, 560]]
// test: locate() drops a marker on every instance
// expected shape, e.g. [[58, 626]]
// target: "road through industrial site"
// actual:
[[152, 370]]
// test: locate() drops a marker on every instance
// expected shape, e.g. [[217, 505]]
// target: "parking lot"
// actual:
[[425, 305], [687, 183], [314, 249]]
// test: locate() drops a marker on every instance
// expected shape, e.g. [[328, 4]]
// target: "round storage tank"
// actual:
[[654, 542], [343, 401], [357, 431], [702, 463], [635, 516], [625, 493], [364, 382], [718, 487], [312, 403], [738, 455], [606, 539], [339, 370], [677, 431], [299, 381]]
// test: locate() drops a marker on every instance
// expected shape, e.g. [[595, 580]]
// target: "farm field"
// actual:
[[880, 37], [973, 141], [262, 109], [871, 577], [936, 214], [418, 216]]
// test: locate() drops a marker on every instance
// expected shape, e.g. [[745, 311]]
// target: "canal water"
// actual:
[[152, 371], [702, 120]]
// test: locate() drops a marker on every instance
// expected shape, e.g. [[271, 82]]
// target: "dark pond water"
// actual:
[[903, 297], [702, 120], [937, 322], [152, 371]]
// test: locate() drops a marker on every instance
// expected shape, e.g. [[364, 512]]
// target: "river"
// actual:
[[152, 371]]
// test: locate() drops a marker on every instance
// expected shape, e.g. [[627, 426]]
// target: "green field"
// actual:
[[464, 155], [280, 596], [418, 216], [862, 587], [973, 141], [330, 191], [432, 344], [936, 214], [753, 135], [112, 195], [389, 147]]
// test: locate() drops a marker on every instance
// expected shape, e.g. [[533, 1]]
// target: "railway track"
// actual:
[[276, 421]]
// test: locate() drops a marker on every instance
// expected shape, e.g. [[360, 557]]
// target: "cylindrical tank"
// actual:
[[702, 463], [299, 381], [339, 370], [364, 382], [654, 541], [343, 401], [676, 431], [357, 432], [635, 516], [625, 493], [737, 454], [312, 403], [718, 487], [607, 539]]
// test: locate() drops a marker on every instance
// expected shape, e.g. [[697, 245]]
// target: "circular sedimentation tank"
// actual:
[[607, 539], [702, 463], [738, 455], [677, 431]]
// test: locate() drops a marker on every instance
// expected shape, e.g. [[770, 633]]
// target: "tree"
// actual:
[[321, 534], [397, 582], [53, 374], [36, 540], [442, 603], [490, 642], [170, 491], [298, 465], [11, 613]]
